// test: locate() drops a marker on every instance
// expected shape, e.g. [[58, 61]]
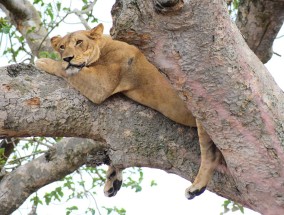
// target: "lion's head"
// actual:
[[78, 49]]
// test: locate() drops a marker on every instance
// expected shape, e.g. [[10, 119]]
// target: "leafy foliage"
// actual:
[[132, 183], [116, 210], [2, 158], [231, 206], [15, 42]]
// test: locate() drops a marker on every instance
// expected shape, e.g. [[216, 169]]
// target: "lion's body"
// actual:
[[99, 67]]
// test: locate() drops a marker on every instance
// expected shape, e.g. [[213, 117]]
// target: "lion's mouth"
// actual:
[[73, 69], [80, 66]]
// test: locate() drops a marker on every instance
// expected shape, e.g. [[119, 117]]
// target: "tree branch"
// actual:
[[80, 13], [37, 104], [260, 21]]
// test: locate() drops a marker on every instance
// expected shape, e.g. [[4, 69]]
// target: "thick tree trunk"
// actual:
[[202, 52], [195, 44]]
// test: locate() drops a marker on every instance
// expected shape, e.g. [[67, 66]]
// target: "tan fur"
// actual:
[[99, 67]]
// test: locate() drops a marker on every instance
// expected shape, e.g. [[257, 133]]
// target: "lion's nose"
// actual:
[[68, 59]]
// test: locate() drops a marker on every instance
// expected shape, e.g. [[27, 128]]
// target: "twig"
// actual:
[[23, 157], [86, 192], [279, 55], [87, 10], [52, 28], [78, 13]]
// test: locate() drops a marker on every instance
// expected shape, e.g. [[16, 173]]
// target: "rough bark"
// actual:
[[195, 44], [259, 22], [226, 86], [24, 16]]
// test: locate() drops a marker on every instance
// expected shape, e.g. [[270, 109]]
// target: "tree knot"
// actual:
[[97, 157], [168, 6]]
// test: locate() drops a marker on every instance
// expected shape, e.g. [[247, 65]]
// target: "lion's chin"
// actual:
[[73, 69]]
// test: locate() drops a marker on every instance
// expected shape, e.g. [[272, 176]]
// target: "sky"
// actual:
[[168, 196]]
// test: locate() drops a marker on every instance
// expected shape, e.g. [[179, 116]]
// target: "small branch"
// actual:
[[24, 157], [279, 55], [86, 192], [33, 211], [79, 13], [50, 30]]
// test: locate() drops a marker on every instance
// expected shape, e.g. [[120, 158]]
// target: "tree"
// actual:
[[197, 46]]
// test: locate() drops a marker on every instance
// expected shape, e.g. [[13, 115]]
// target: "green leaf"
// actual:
[[120, 211], [2, 150], [231, 206], [2, 158], [93, 212], [49, 11], [70, 209], [47, 199], [109, 210], [36, 200], [56, 194], [58, 6], [59, 191], [51, 55], [31, 30], [66, 9], [73, 208], [153, 183], [94, 20], [5, 29]]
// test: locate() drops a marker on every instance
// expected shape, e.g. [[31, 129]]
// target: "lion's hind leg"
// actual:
[[113, 181], [210, 158]]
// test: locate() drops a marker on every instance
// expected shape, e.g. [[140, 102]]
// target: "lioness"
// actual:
[[99, 67]]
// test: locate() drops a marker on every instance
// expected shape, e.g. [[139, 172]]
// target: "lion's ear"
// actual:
[[97, 31], [54, 41]]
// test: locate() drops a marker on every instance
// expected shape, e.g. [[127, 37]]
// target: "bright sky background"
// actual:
[[168, 196]]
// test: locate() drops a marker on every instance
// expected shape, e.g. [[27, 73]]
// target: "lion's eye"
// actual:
[[79, 42], [62, 47]]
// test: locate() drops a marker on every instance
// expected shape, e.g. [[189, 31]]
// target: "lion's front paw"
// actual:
[[42, 64], [113, 181], [194, 191], [50, 66]]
